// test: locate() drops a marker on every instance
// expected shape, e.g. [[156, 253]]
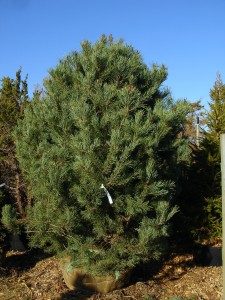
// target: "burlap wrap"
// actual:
[[76, 278]]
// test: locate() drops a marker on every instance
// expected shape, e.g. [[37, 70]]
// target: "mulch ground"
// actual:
[[32, 275]]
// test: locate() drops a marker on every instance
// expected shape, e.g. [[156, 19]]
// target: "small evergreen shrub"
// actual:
[[9, 219], [213, 217], [101, 154], [3, 233], [200, 201]]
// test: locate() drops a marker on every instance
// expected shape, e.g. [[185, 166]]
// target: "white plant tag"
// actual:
[[1, 185], [107, 193]]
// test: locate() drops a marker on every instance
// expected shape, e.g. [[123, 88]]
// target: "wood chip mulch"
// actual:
[[31, 276]]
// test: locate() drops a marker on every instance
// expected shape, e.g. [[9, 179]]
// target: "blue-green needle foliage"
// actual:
[[105, 119]]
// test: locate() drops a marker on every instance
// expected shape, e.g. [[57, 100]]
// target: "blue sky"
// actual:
[[188, 36]]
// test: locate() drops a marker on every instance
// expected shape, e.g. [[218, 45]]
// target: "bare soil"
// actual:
[[31, 275]]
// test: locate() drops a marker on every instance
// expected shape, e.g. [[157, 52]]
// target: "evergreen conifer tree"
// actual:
[[201, 201], [13, 99], [100, 153], [211, 150]]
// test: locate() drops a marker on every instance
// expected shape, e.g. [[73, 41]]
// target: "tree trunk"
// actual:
[[18, 195]]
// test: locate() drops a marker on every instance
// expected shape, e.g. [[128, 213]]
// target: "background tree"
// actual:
[[13, 99], [197, 111], [211, 146], [106, 120], [216, 115], [200, 202]]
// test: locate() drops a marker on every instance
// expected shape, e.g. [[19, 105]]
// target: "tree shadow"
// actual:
[[17, 262], [183, 255], [76, 295]]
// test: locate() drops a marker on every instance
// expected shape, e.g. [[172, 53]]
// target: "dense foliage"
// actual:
[[201, 203], [3, 234], [211, 146], [105, 119], [13, 100], [13, 193]]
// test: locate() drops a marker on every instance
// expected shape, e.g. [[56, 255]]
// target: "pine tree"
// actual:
[[105, 128]]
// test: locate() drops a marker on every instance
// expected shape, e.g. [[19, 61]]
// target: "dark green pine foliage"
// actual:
[[105, 119], [215, 117], [201, 201], [211, 149]]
